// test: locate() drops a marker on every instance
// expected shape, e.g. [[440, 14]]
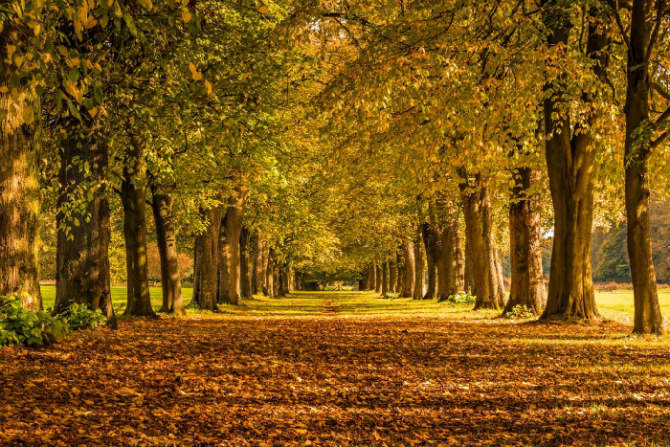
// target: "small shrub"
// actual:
[[462, 298], [520, 311], [19, 326], [79, 316]]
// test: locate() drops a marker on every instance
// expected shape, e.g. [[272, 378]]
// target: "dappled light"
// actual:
[[334, 223]]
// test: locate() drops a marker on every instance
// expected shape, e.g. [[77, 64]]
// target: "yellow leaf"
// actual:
[[186, 15], [208, 87], [195, 74]]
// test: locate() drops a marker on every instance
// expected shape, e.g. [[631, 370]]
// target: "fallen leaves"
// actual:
[[334, 381]]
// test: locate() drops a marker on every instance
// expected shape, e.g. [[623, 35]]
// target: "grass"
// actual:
[[616, 305]]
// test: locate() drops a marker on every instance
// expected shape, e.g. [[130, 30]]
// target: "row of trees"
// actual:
[[116, 110], [271, 137], [468, 112]]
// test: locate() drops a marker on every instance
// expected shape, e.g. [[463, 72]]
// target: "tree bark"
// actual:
[[284, 280], [485, 266], [270, 276], [570, 155], [82, 258], [19, 200], [245, 271], [419, 267], [275, 280], [407, 289], [166, 239], [133, 196], [430, 240], [263, 272], [197, 255], [527, 281], [449, 262], [256, 259], [372, 276], [386, 278], [208, 260], [393, 274], [648, 317], [379, 280], [230, 238]]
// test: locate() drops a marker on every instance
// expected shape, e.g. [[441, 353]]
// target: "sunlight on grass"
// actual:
[[616, 305]]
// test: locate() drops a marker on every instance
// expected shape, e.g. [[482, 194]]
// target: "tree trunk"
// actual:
[[275, 280], [269, 276], [430, 240], [485, 266], [197, 255], [230, 237], [256, 258], [208, 260], [372, 276], [166, 239], [393, 274], [407, 289], [448, 262], [419, 268], [527, 281], [284, 280], [82, 258], [379, 278], [263, 272], [245, 276], [648, 317], [133, 196], [468, 277], [570, 158], [19, 201], [386, 280]]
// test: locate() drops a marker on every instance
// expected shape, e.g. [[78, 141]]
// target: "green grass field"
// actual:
[[616, 305]]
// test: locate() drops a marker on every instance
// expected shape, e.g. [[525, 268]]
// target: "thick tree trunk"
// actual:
[[372, 276], [527, 281], [284, 276], [419, 267], [407, 289], [208, 260], [459, 260], [379, 280], [256, 259], [393, 274], [430, 240], [82, 258], [133, 197], [166, 239], [648, 317], [245, 271], [269, 275], [276, 280], [468, 274], [19, 202], [230, 238], [570, 155], [449, 262], [485, 266], [386, 278]]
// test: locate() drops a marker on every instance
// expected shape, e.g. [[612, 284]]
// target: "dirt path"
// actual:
[[336, 381]]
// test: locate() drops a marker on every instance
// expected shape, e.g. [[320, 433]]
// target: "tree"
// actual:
[[646, 26]]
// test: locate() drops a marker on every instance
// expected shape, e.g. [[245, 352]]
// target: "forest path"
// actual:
[[376, 372]]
